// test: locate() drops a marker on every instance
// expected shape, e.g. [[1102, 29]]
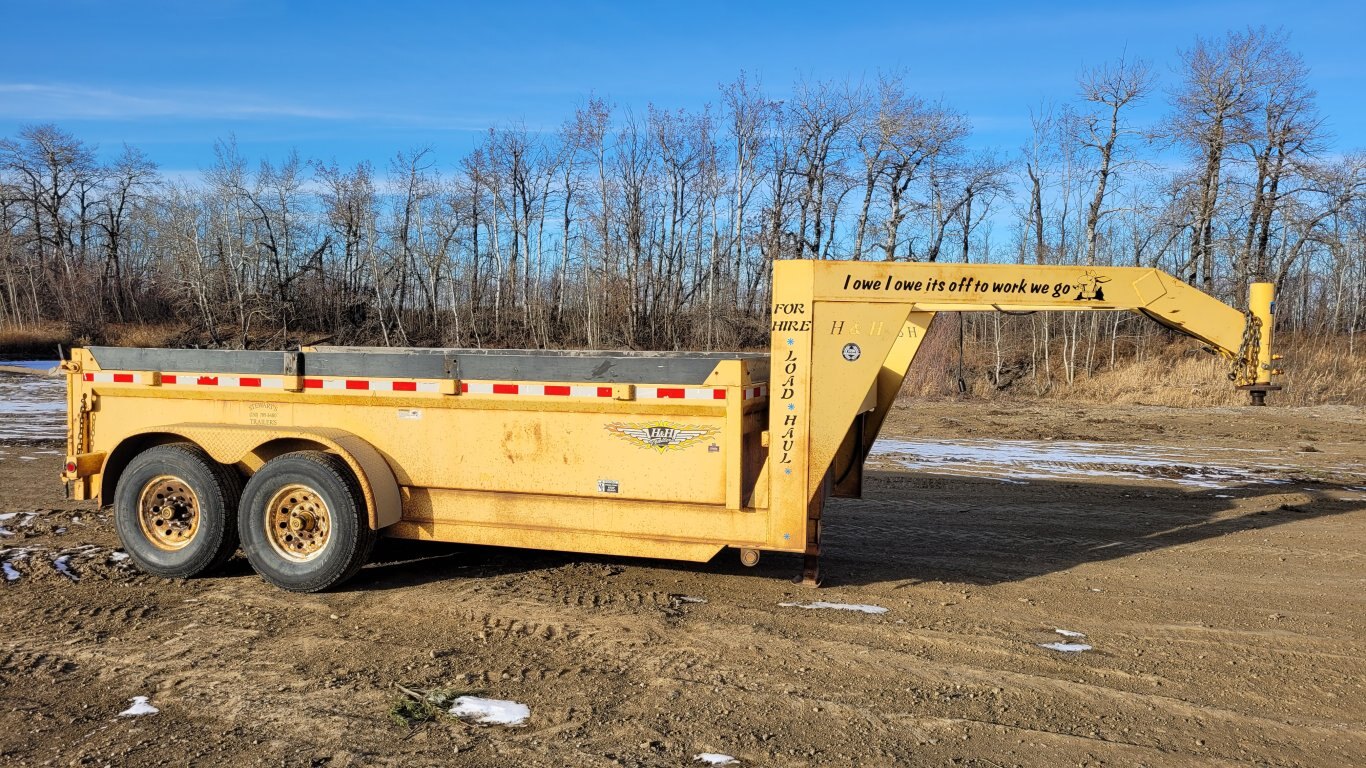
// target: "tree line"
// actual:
[[658, 229]]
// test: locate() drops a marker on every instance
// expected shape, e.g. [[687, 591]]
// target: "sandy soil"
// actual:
[[1228, 627]]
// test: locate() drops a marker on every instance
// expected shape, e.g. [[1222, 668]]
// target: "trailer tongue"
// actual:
[[302, 457]]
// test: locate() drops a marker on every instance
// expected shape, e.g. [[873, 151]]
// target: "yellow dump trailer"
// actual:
[[303, 457]]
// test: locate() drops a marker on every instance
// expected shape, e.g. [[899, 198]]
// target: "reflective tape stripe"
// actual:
[[106, 377], [680, 393], [392, 385]]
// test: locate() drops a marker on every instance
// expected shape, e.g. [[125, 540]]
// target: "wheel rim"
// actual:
[[298, 522], [168, 512]]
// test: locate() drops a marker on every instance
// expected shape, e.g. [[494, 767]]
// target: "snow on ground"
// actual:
[[715, 758], [490, 711], [140, 707], [32, 407], [63, 566], [1069, 633], [1019, 461], [837, 606], [11, 573], [1066, 647]]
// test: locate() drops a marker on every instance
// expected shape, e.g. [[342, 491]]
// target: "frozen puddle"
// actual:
[[836, 607], [140, 707], [1018, 461], [490, 711], [715, 758], [32, 407]]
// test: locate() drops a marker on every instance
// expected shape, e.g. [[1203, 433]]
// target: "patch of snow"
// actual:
[[1016, 461], [140, 707], [117, 556], [5, 531], [1222, 496], [11, 573], [28, 518], [63, 566], [1069, 633], [490, 711], [715, 758], [28, 458], [837, 606], [686, 599], [32, 407], [1066, 647]]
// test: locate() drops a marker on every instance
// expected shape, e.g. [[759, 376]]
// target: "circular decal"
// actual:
[[851, 352]]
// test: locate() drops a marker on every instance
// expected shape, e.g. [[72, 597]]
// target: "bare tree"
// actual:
[[1111, 88], [1213, 104]]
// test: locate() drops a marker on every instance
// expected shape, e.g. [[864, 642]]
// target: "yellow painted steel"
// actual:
[[1261, 302], [750, 469]]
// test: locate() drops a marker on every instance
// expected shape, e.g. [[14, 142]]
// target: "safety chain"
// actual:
[[1242, 366], [82, 426]]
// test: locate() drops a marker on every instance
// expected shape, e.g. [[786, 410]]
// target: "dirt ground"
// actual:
[[1227, 625]]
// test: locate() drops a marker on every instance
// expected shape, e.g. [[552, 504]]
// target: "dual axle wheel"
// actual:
[[300, 519]]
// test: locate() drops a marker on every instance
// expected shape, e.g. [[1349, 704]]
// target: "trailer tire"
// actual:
[[175, 509], [303, 522]]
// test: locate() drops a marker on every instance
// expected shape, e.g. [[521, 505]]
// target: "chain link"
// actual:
[[82, 426], [1243, 367]]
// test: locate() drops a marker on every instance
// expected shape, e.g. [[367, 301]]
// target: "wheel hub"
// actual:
[[168, 512], [298, 522]]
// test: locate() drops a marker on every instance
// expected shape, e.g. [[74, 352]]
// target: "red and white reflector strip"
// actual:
[[194, 380], [104, 377], [546, 390], [433, 387], [680, 393], [372, 385]]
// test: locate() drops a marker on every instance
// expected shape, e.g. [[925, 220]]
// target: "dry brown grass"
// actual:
[[38, 340], [1315, 374], [134, 335], [1318, 371], [41, 340]]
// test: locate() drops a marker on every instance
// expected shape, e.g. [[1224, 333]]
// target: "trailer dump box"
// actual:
[[303, 457], [604, 452]]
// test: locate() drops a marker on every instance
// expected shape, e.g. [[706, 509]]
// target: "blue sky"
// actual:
[[349, 81]]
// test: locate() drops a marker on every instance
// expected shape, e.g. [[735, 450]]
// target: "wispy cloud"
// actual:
[[38, 102], [56, 101]]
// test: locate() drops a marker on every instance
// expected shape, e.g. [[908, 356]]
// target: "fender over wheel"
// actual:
[[175, 511], [303, 522]]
